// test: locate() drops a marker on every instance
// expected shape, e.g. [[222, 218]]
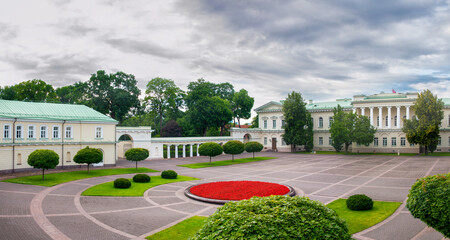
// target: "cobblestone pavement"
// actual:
[[60, 212]]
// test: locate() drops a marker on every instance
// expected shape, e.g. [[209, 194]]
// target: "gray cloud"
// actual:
[[142, 47]]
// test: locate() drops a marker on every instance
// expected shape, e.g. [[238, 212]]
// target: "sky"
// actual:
[[323, 49]]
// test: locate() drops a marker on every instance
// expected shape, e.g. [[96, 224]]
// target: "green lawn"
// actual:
[[360, 220], [442, 154], [53, 179], [136, 189], [182, 230], [225, 163], [351, 153]]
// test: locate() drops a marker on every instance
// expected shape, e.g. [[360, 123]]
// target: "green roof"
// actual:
[[50, 111], [347, 103], [386, 97], [446, 101]]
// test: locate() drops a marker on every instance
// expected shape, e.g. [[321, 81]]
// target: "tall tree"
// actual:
[[298, 129], [347, 128], [172, 129], [74, 94], [35, 90], [164, 97], [424, 129], [255, 121], [8, 93], [113, 94], [242, 105]]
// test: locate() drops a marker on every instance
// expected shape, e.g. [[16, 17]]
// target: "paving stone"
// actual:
[[284, 175], [166, 200], [188, 207], [210, 211], [58, 205], [307, 187], [404, 174], [167, 187], [15, 203], [325, 178], [431, 234], [99, 204], [161, 193], [21, 228], [70, 189], [382, 194], [371, 173], [357, 180], [393, 182], [344, 171], [324, 200], [335, 191], [309, 169], [402, 227], [21, 187]]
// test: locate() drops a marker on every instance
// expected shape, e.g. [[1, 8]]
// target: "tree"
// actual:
[[8, 93], [242, 105], [74, 94], [210, 149], [164, 97], [136, 155], [35, 90], [347, 128], [233, 147], [172, 129], [113, 94], [88, 156], [44, 159], [255, 121], [253, 147], [298, 129], [424, 129], [147, 119]]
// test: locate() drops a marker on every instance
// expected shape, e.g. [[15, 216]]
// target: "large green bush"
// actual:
[[44, 159], [359, 202], [233, 147], [210, 149], [122, 183], [136, 155], [274, 217], [253, 147], [141, 178], [429, 200], [169, 174], [88, 156]]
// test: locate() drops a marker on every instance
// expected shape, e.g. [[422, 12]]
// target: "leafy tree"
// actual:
[[113, 94], [424, 129], [8, 93], [233, 147], [298, 129], [253, 147], [255, 122], [35, 91], [88, 156], [44, 159], [164, 97], [210, 149], [147, 119], [350, 127], [172, 129], [136, 155], [242, 105], [74, 94]]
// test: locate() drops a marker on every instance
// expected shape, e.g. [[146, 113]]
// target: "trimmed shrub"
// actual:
[[233, 147], [89, 156], [169, 174], [253, 147], [136, 155], [359, 202], [141, 178], [122, 183], [210, 149], [43, 158], [274, 217], [429, 200]]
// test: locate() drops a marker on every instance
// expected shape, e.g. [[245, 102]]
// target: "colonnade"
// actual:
[[191, 152], [389, 115]]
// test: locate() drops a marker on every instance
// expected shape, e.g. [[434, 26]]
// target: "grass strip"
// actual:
[[442, 154], [182, 230], [360, 220], [351, 153], [136, 189], [225, 162], [53, 179]]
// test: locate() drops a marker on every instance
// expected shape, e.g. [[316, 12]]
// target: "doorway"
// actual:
[[274, 144]]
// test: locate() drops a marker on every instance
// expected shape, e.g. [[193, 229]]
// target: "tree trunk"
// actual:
[[232, 157], [239, 122], [346, 147], [426, 150], [222, 130], [210, 161], [136, 165], [253, 155], [43, 174], [160, 122], [204, 132], [88, 168]]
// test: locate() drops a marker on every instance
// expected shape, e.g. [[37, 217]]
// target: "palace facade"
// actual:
[[385, 112]]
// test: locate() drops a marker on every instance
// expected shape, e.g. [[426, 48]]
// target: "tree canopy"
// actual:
[[233, 147], [136, 155], [88, 156], [210, 149], [242, 105], [172, 129], [44, 159]]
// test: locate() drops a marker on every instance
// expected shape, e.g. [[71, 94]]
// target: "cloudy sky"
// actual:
[[324, 49]]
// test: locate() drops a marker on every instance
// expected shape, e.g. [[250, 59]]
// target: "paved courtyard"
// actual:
[[59, 212]]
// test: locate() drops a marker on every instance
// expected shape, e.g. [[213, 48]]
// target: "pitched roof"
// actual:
[[446, 101], [344, 103], [50, 111]]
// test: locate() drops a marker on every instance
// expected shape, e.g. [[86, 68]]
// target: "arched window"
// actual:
[[330, 121], [320, 122]]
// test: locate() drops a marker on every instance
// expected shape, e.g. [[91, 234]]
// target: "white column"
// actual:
[[407, 112], [168, 151], [354, 110], [380, 116], [389, 117], [190, 152], [371, 116], [198, 145], [184, 151], [398, 116], [363, 111], [176, 151]]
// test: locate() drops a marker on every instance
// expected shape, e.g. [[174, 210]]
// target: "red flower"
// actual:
[[238, 190]]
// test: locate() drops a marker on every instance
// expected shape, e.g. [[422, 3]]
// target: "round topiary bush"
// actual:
[[359, 202], [169, 174], [141, 178], [122, 183], [136, 155], [429, 200], [274, 217], [253, 147], [233, 147], [44, 159]]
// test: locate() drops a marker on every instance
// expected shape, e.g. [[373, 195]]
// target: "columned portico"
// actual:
[[168, 151], [184, 151], [176, 151], [389, 117], [191, 154], [363, 111], [398, 116], [407, 112], [380, 116], [371, 116], [198, 145]]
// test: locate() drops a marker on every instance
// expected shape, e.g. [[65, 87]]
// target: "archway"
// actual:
[[125, 143], [247, 138]]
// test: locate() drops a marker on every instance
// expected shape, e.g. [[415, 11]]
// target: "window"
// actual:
[[55, 131], [404, 117], [320, 140], [274, 124], [384, 142], [449, 120], [283, 143], [7, 131], [69, 132], [378, 121], [30, 131], [265, 140], [68, 157], [411, 144], [330, 141], [387, 121], [395, 120], [375, 142], [265, 124], [43, 131], [98, 132], [320, 122], [19, 159], [402, 141], [19, 131], [439, 141], [283, 123], [330, 121], [393, 141]]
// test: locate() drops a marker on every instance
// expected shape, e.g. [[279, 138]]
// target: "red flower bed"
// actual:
[[238, 190]]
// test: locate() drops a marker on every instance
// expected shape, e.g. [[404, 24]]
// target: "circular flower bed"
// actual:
[[222, 192]]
